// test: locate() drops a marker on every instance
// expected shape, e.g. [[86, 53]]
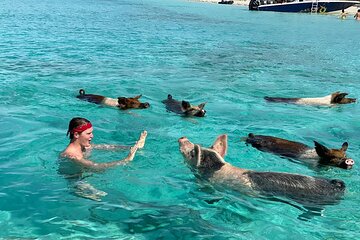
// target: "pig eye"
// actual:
[[192, 153]]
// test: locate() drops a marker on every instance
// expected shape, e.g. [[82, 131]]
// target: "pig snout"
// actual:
[[349, 162], [145, 105], [201, 113], [185, 146], [182, 139]]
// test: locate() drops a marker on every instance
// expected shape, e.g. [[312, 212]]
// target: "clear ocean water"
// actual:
[[226, 56]]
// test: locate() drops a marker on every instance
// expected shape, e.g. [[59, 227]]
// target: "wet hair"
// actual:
[[74, 123]]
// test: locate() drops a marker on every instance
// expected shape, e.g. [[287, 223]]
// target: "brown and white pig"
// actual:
[[122, 103], [331, 99], [184, 107], [295, 150]]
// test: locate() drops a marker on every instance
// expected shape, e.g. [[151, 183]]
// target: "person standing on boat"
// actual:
[[343, 15], [357, 15]]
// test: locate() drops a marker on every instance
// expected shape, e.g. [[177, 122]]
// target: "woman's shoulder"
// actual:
[[67, 153]]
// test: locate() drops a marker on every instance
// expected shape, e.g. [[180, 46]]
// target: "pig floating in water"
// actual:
[[332, 99], [209, 164], [122, 103], [295, 150], [184, 107]]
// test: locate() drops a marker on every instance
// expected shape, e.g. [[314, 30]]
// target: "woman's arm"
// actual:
[[109, 147], [102, 166], [140, 142]]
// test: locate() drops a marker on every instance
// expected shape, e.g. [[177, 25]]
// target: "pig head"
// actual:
[[131, 102], [340, 98]]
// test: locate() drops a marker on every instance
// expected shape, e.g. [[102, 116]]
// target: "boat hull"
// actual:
[[323, 6]]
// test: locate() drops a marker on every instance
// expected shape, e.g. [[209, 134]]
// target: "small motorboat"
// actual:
[[226, 2]]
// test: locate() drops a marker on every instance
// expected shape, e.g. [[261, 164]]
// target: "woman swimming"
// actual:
[[75, 158], [81, 133]]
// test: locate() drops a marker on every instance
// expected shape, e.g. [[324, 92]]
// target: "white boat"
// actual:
[[310, 6]]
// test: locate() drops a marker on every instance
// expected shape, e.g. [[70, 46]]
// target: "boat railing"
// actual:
[[265, 2]]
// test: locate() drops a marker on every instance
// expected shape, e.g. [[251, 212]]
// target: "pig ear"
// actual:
[[202, 105], [197, 151], [245, 139], [220, 145], [210, 160], [185, 104], [321, 150], [345, 146], [138, 96]]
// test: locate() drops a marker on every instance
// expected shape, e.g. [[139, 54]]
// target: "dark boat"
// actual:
[[307, 6], [225, 2]]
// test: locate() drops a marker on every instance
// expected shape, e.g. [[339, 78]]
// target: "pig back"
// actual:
[[304, 189], [276, 145], [173, 105]]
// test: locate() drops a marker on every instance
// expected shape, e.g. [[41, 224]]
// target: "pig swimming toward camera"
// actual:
[[209, 164], [184, 107], [329, 100], [295, 150], [122, 103]]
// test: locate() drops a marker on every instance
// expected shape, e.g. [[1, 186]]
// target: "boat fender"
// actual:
[[322, 9]]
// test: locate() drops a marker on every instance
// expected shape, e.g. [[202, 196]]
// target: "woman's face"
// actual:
[[85, 137]]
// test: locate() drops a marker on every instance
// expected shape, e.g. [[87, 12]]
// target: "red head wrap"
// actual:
[[81, 128]]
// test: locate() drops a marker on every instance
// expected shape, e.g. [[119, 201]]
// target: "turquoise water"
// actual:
[[226, 56]]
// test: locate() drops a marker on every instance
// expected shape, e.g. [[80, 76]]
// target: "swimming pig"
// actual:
[[184, 107], [332, 99], [209, 164], [296, 150], [121, 102]]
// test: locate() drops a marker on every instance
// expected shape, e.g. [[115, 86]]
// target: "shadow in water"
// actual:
[[308, 212], [157, 222]]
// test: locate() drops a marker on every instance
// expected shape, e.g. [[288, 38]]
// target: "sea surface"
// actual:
[[226, 56]]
